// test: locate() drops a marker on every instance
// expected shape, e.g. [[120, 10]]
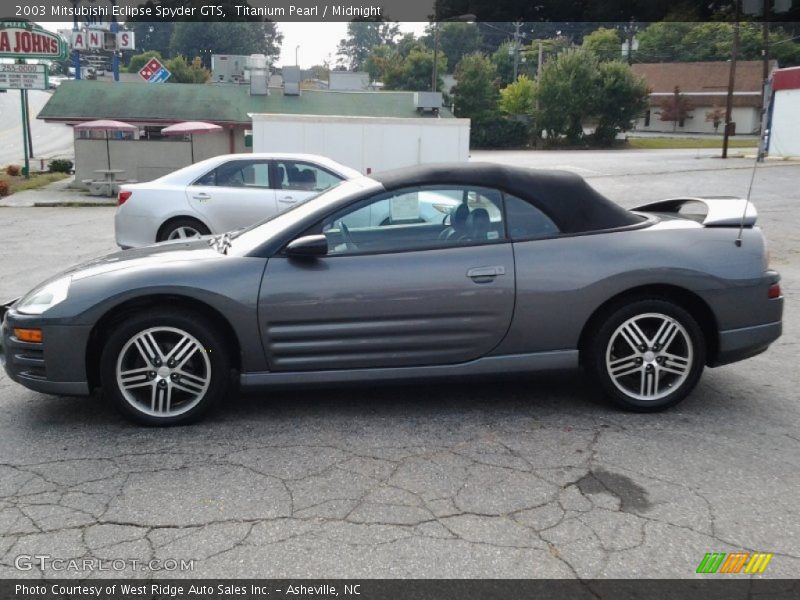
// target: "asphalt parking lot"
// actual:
[[526, 478]]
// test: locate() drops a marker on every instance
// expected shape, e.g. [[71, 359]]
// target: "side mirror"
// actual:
[[308, 245]]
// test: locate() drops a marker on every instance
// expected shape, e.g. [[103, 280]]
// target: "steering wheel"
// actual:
[[348, 239]]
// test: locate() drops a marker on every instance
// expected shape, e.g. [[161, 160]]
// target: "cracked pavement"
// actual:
[[527, 477]]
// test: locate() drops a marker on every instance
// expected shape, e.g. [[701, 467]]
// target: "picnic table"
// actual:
[[108, 185]]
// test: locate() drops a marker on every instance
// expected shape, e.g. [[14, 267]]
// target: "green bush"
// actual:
[[499, 133], [60, 165], [13, 170]]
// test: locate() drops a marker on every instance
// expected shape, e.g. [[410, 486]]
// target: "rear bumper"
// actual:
[[55, 366], [738, 344]]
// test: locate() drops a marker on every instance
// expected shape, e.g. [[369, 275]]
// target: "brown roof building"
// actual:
[[703, 87]]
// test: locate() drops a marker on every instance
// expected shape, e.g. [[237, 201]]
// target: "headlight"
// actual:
[[47, 296]]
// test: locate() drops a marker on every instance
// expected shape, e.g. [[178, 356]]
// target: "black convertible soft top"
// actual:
[[565, 197]]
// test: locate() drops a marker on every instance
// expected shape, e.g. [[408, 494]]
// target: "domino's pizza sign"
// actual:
[[154, 72]]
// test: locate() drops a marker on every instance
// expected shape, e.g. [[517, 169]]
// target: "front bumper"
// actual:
[[55, 366]]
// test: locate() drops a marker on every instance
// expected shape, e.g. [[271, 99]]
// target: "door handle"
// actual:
[[286, 199], [201, 196], [486, 272]]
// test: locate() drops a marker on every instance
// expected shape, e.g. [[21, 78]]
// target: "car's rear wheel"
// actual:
[[165, 367], [647, 354], [180, 229]]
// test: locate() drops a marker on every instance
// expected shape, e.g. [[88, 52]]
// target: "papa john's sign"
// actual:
[[21, 39]]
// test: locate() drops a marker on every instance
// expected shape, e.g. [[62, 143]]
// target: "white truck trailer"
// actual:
[[368, 144]]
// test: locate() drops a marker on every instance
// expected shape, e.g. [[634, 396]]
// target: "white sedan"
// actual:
[[221, 194]]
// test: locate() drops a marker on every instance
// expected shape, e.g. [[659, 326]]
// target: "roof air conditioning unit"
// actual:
[[291, 81], [428, 101]]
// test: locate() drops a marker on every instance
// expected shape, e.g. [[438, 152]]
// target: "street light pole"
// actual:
[[434, 71], [296, 55]]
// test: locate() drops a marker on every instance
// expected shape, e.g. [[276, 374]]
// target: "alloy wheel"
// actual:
[[649, 356], [163, 371], [182, 233]]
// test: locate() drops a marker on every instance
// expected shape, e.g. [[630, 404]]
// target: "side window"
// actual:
[[526, 222], [297, 175], [416, 219], [238, 173]]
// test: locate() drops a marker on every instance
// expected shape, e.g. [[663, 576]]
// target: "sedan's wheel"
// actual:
[[165, 368], [648, 355], [181, 229]]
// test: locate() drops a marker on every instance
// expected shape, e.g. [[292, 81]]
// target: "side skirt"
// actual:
[[489, 365]]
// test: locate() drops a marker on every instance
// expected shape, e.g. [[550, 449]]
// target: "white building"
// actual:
[[784, 130], [703, 87]]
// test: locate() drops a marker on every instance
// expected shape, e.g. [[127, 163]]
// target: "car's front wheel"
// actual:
[[180, 229], [165, 367], [647, 354]]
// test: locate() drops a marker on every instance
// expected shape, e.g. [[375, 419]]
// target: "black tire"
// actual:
[[186, 223], [652, 369], [191, 387]]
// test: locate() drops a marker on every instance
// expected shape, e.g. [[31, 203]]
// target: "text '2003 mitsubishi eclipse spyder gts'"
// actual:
[[526, 271]]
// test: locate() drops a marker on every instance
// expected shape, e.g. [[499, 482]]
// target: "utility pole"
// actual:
[[765, 54], [631, 29], [434, 70], [518, 35], [731, 82]]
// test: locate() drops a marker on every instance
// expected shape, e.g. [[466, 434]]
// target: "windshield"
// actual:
[[246, 240]]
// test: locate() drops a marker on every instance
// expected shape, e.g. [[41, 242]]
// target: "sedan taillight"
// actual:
[[774, 291], [122, 197]]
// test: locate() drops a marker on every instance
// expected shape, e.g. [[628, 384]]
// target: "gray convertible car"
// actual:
[[526, 271]]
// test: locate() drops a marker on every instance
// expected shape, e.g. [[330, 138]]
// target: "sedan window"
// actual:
[[415, 219], [238, 173], [303, 176]]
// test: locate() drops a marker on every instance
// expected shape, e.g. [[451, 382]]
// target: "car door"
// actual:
[[296, 181], [391, 294], [235, 194]]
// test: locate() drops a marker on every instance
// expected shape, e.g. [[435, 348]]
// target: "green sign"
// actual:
[[21, 39]]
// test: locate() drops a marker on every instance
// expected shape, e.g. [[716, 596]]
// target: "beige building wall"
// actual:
[[747, 121], [145, 160]]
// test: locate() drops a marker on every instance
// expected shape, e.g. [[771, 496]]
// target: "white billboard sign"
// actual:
[[23, 77]]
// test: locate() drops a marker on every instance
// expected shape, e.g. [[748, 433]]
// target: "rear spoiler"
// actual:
[[721, 211]]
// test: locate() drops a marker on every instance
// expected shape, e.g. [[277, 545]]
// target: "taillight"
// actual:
[[122, 197], [774, 291]]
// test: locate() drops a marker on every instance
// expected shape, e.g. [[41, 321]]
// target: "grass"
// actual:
[[18, 183], [656, 143]]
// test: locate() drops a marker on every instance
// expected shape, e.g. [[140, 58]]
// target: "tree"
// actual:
[[518, 98], [620, 97], [663, 42], [413, 73], [684, 42], [715, 116], [139, 60], [457, 39], [187, 72], [152, 35], [362, 37], [675, 108], [194, 38], [604, 43], [382, 61], [503, 58], [476, 89], [566, 94]]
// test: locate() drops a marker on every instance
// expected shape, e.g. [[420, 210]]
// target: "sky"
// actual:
[[317, 41]]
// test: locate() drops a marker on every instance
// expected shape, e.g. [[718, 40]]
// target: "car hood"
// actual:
[[148, 257]]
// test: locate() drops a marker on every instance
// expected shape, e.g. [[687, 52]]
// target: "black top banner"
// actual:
[[529, 11]]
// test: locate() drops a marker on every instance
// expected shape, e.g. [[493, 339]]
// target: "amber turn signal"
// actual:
[[28, 335]]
